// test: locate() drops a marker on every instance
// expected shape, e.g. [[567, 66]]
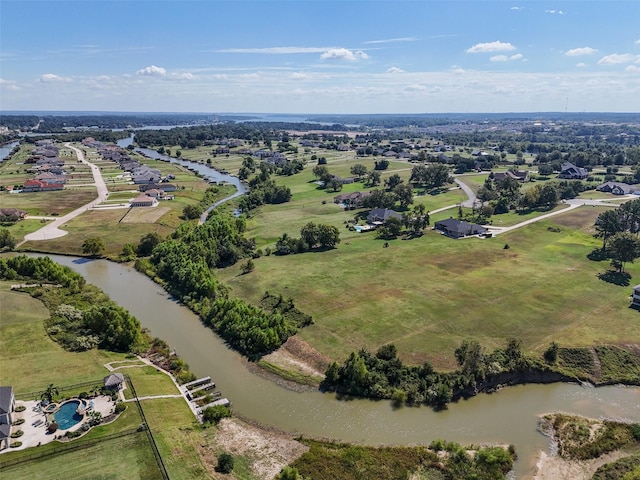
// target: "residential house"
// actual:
[[459, 228], [12, 214], [144, 201], [617, 188], [166, 187], [570, 172], [40, 186], [351, 200], [7, 406], [155, 193], [379, 216], [51, 178], [520, 176]]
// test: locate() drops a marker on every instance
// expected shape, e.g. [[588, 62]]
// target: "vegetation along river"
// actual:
[[508, 417]]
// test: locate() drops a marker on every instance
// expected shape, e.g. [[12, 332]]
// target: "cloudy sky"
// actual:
[[320, 56]]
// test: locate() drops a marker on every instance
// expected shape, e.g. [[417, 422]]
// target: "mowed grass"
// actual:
[[125, 457], [428, 294], [148, 380], [59, 202]]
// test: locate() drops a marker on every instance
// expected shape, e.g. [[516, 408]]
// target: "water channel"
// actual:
[[509, 416], [5, 150]]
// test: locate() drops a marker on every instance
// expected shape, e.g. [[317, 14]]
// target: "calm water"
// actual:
[[5, 150], [509, 416]]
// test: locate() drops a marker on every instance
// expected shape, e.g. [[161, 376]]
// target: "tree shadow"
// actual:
[[597, 255], [617, 278]]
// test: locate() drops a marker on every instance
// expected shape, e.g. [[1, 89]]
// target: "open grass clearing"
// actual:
[[59, 202], [148, 380], [428, 294]]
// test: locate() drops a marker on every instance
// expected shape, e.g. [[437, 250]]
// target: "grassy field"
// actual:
[[149, 380], [428, 294]]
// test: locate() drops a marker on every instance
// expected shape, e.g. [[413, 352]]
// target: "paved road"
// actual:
[[52, 229]]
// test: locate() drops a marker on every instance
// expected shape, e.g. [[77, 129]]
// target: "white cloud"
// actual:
[[275, 50], [516, 8], [637, 42], [632, 68], [392, 40], [395, 70], [618, 58], [183, 76], [53, 78], [581, 65], [556, 12], [490, 47], [580, 51], [152, 71], [505, 58], [344, 54], [300, 76]]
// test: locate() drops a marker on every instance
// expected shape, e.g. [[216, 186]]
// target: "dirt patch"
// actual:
[[268, 450], [551, 467], [580, 218], [144, 215], [296, 355]]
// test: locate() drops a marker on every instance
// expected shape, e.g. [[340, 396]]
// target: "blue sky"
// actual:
[[320, 56]]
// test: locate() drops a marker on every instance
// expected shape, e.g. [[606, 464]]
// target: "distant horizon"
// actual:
[[340, 58]]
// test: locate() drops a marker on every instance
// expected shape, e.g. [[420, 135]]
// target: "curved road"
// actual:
[[52, 229]]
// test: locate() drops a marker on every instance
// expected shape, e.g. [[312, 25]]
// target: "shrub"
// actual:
[[215, 414], [52, 428], [17, 434], [15, 444], [20, 408], [120, 407], [18, 421], [225, 463]]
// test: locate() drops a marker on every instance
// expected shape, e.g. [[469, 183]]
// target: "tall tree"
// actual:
[[607, 224], [93, 246], [624, 247]]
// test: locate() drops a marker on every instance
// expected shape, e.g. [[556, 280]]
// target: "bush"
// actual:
[[52, 428], [120, 407], [213, 415], [18, 421], [17, 434], [15, 444], [20, 408], [225, 463]]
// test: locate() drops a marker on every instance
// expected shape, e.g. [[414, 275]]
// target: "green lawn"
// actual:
[[149, 380], [428, 294], [125, 457]]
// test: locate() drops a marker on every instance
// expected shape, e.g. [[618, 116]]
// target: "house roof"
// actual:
[[6, 395], [383, 213], [113, 380], [608, 186], [459, 226]]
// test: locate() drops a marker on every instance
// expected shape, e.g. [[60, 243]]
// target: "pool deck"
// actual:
[[37, 435]]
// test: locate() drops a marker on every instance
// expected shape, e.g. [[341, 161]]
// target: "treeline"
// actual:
[[185, 263], [383, 375], [82, 316], [262, 189]]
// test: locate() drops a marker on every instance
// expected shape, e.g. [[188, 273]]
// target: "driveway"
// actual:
[[52, 229]]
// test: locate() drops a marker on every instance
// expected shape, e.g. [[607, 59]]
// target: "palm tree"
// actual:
[[49, 393]]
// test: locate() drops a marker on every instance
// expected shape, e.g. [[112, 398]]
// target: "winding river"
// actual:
[[507, 417]]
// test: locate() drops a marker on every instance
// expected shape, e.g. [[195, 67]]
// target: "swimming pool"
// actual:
[[67, 415]]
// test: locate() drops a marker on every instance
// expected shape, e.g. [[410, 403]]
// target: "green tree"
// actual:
[[373, 178], [225, 463], [93, 246], [6, 239], [289, 473], [328, 236], [148, 243], [191, 212], [50, 393], [358, 170], [404, 195], [607, 224], [213, 415], [320, 171], [624, 247], [393, 181], [128, 252]]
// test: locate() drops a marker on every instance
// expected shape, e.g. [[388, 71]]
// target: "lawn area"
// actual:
[[125, 457], [149, 380], [428, 294], [59, 202]]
